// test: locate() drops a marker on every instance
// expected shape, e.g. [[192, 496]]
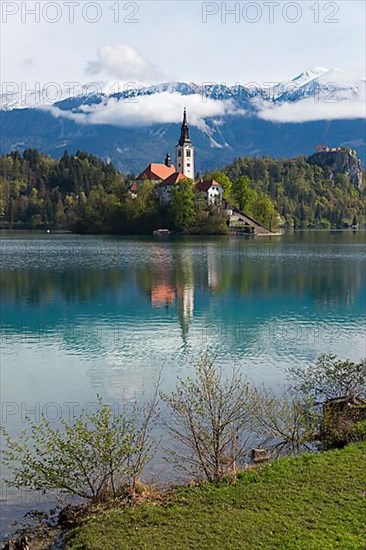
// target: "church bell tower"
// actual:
[[185, 151]]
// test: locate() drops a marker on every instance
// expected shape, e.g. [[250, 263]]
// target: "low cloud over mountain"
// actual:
[[134, 123]]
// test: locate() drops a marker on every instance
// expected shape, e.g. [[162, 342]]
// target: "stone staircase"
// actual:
[[238, 219]]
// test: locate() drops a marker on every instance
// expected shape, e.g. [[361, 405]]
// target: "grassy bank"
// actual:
[[311, 502]]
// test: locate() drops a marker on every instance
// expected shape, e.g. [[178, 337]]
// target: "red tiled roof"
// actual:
[[206, 184], [134, 187], [173, 179], [156, 171], [162, 294]]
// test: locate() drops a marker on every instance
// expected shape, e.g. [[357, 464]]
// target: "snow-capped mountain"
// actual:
[[316, 83], [133, 124], [331, 85]]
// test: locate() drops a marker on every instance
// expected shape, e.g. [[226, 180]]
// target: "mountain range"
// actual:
[[133, 125]]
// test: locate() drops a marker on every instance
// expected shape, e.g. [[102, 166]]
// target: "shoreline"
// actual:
[[257, 498], [281, 233]]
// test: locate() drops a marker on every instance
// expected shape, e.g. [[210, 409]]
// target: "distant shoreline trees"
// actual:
[[83, 193]]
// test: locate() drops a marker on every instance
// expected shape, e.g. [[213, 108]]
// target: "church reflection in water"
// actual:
[[177, 281], [174, 288]]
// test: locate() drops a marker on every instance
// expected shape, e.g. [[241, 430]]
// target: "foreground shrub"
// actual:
[[338, 389], [208, 419], [211, 417], [284, 422], [93, 457], [331, 378]]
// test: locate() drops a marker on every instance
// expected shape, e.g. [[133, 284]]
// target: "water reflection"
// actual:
[[169, 273], [130, 305], [218, 267]]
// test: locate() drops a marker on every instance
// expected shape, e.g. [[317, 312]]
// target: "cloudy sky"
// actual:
[[196, 41], [144, 42]]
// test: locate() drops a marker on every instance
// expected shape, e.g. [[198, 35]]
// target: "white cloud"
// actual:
[[341, 95], [124, 63], [60, 113], [308, 110], [164, 107]]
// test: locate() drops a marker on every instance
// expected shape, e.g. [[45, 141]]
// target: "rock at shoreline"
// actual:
[[259, 455], [19, 544], [341, 418]]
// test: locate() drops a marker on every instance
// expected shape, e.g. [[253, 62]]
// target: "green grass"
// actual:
[[315, 502]]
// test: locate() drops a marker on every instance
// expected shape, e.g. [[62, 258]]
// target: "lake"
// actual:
[[82, 316]]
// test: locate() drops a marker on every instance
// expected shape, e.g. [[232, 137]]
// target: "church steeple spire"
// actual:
[[184, 131], [185, 150]]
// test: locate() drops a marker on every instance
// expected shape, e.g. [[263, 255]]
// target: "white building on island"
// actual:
[[211, 190]]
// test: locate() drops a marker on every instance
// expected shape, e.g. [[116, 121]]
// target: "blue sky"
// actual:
[[170, 41]]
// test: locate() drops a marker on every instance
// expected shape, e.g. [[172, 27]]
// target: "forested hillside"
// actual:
[[83, 193], [305, 195], [38, 191]]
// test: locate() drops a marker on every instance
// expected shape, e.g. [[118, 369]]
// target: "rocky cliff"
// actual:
[[340, 161]]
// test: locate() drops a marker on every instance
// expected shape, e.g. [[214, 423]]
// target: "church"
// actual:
[[166, 175]]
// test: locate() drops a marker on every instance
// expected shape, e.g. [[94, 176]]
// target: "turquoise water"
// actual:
[[88, 315]]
